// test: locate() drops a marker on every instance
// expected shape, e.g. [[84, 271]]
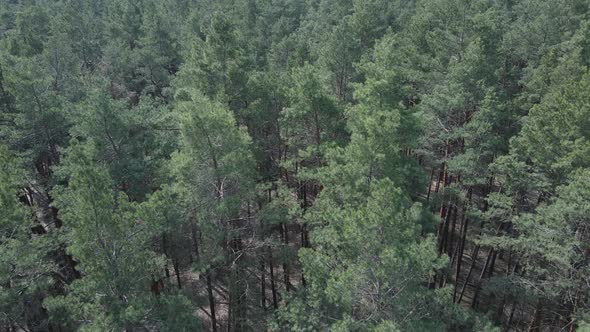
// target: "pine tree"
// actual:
[[26, 271], [111, 244], [214, 171]]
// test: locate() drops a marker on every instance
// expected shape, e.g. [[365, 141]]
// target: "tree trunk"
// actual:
[[263, 285], [303, 245], [481, 275], [439, 179], [272, 280], [196, 242], [285, 265], [211, 302], [509, 323], [500, 311], [460, 258], [453, 230], [473, 260], [430, 185], [177, 272], [492, 264], [445, 230]]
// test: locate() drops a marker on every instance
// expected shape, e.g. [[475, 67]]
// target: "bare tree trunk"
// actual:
[[196, 242], [430, 185], [175, 264], [230, 304], [211, 302], [500, 311], [509, 323], [492, 264], [460, 258], [445, 231], [473, 260], [263, 285], [439, 179], [272, 280], [453, 230], [481, 275], [303, 245], [285, 265]]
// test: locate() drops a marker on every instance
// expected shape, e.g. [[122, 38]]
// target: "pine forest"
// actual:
[[294, 165]]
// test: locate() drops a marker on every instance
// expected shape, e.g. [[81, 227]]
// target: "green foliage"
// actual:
[[219, 150], [313, 119], [25, 272], [243, 139], [131, 142], [370, 265], [555, 137], [112, 244], [217, 65], [34, 121]]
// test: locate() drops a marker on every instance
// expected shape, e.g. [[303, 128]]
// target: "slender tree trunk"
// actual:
[[175, 264], [230, 304], [509, 323], [303, 245], [439, 179], [460, 258], [500, 311], [491, 252], [272, 280], [430, 185], [195, 241], [445, 231], [481, 275], [440, 227], [445, 165], [263, 285], [473, 260], [492, 264], [453, 230], [455, 253], [211, 302], [285, 265], [305, 205], [235, 291]]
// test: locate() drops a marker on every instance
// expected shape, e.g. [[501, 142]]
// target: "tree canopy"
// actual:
[[294, 165]]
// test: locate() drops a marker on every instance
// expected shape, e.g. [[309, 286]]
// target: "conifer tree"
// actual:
[[111, 244], [26, 272], [214, 170]]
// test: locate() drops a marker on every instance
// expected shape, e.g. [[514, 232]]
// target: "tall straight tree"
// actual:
[[214, 170]]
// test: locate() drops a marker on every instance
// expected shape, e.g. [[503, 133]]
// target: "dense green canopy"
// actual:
[[294, 165]]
